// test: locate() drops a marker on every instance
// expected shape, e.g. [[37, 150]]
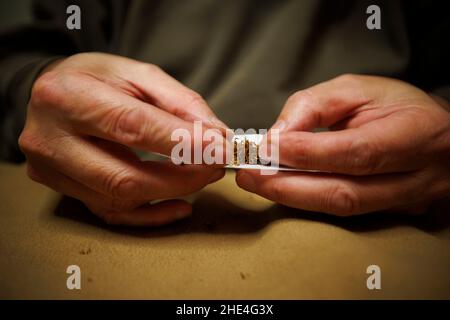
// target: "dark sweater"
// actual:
[[244, 56]]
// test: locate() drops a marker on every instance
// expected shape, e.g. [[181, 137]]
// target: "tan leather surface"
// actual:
[[237, 245]]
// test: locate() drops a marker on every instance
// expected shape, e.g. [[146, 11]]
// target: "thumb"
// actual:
[[326, 103]]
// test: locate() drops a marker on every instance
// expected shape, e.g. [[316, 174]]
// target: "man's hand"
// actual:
[[389, 148], [84, 114]]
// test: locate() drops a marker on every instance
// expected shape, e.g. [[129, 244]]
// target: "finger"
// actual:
[[167, 93], [118, 173], [98, 203], [357, 151], [327, 103], [109, 113], [335, 194], [113, 211], [150, 83], [151, 215]]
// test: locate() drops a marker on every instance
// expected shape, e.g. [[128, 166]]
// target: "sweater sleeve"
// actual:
[[428, 26], [26, 49]]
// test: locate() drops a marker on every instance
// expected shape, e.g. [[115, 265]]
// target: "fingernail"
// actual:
[[246, 181], [218, 123], [217, 176], [280, 125]]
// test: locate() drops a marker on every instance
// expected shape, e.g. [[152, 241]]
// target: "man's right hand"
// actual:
[[84, 115]]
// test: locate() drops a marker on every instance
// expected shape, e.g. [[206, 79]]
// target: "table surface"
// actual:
[[236, 246]]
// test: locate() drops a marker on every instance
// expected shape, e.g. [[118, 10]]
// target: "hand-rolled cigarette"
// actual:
[[245, 154], [245, 149]]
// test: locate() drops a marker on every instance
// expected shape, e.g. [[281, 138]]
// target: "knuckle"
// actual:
[[26, 142], [52, 90], [300, 97], [33, 145], [128, 125], [357, 82], [123, 185], [193, 98], [45, 88], [152, 68], [363, 157], [342, 200], [49, 88], [306, 101], [348, 78]]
